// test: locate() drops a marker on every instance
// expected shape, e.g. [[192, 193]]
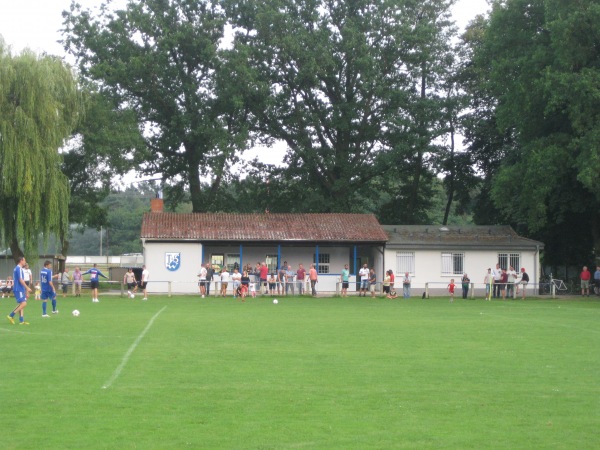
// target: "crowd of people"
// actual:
[[258, 279]]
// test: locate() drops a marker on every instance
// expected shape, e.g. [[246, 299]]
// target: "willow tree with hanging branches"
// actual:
[[40, 104]]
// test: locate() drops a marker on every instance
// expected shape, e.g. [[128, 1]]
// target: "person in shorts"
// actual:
[[386, 284], [364, 280], [345, 278], [95, 275], [372, 282], [144, 282], [21, 291], [130, 282], [523, 283]]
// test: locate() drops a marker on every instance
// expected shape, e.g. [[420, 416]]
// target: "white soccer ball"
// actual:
[[132, 295], [76, 313], [275, 301]]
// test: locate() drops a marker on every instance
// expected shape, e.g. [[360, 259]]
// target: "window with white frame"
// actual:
[[509, 259], [405, 262], [453, 263], [323, 266]]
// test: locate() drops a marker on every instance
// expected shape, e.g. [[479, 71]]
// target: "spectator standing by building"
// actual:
[[372, 282], [236, 279], [597, 279], [345, 279], [289, 279], [264, 275], [202, 280], [224, 281], [523, 283], [488, 280], [245, 285], [386, 284], [497, 275], [314, 278], [272, 283], [363, 273], [512, 279], [406, 281], [281, 279], [503, 282], [210, 274], [465, 281], [300, 278], [585, 277]]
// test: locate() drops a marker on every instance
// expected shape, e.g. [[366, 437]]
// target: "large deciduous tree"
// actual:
[[351, 89], [40, 105], [542, 64], [162, 59]]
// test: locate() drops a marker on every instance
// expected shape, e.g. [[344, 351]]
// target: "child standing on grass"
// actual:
[[253, 290], [38, 291], [451, 290], [272, 283]]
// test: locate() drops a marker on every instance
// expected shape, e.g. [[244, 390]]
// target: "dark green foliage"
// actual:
[[537, 66]]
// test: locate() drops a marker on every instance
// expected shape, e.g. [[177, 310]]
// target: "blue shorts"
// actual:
[[48, 295], [364, 284], [20, 296]]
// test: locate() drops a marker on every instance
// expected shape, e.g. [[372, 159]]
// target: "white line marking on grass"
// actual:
[[125, 359]]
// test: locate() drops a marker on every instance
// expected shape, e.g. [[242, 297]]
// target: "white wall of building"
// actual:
[[182, 280], [428, 269]]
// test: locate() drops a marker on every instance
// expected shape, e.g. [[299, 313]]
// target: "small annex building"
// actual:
[[176, 244], [434, 254]]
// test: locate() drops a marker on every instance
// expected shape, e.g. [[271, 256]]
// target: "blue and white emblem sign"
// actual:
[[172, 261]]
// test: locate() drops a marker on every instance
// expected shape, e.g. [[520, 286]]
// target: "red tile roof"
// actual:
[[262, 227]]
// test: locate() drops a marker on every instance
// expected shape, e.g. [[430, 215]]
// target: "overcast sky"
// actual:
[[36, 23]]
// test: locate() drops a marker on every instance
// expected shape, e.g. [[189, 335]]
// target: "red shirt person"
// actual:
[[585, 277]]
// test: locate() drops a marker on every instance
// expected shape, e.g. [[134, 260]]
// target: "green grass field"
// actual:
[[324, 373]]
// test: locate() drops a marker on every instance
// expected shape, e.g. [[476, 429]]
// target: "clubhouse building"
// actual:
[[175, 245]]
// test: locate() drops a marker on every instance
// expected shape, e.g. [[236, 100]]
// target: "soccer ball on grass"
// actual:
[[275, 301], [76, 313]]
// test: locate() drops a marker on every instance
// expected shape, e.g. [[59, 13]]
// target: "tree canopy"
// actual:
[[350, 87], [40, 106], [161, 60], [539, 63]]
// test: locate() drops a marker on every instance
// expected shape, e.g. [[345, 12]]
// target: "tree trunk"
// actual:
[[195, 189], [15, 250], [451, 176]]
